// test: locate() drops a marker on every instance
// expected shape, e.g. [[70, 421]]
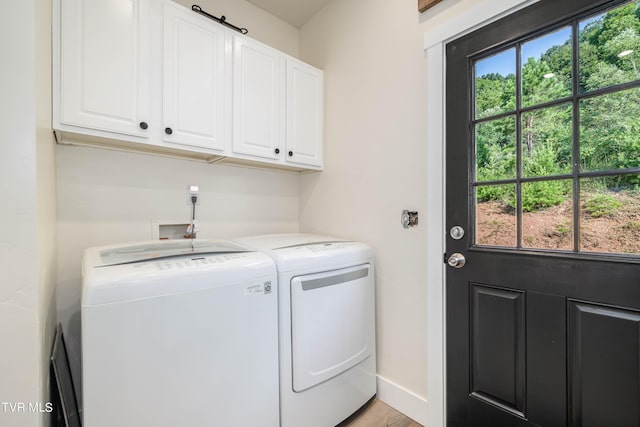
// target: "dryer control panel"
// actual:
[[327, 247]]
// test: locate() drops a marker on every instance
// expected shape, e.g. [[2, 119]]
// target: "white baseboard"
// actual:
[[403, 400]]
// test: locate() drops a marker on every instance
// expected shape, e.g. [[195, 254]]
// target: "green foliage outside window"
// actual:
[[609, 54]]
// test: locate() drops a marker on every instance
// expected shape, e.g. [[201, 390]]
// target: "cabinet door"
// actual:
[[304, 113], [258, 95], [104, 65], [194, 80]]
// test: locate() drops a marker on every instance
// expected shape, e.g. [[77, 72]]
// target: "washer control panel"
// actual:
[[182, 263]]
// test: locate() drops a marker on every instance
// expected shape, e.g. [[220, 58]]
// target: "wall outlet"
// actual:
[[193, 190]]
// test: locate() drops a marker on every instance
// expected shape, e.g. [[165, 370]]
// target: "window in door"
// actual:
[[556, 128]]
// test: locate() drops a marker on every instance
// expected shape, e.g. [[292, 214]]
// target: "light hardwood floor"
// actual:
[[378, 414]]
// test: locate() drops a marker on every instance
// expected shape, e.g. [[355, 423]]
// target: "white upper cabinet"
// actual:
[[104, 65], [154, 76], [304, 113], [195, 110], [258, 98]]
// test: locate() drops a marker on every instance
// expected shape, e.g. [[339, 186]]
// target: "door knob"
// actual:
[[457, 260]]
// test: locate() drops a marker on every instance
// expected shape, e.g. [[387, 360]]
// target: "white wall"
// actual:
[[375, 157], [28, 240], [20, 361], [46, 196]]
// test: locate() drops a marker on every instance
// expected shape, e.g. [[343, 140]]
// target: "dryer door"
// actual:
[[332, 320]]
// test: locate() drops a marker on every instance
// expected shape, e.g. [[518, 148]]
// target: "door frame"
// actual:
[[468, 16]]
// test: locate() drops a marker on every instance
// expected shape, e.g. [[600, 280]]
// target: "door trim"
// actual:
[[468, 16]]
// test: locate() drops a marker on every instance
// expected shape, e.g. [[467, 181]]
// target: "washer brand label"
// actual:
[[259, 288]]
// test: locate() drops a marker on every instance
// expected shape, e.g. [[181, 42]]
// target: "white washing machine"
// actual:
[[327, 326], [179, 333]]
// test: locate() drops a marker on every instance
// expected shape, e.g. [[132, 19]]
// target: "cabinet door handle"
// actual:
[[144, 125], [290, 153], [168, 131], [277, 150]]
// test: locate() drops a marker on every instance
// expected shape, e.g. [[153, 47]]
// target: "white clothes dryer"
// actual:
[[179, 333], [326, 324]]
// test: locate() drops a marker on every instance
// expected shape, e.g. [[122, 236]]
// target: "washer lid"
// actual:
[[165, 249]]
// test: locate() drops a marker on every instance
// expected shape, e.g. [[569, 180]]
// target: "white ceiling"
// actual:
[[295, 12]]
